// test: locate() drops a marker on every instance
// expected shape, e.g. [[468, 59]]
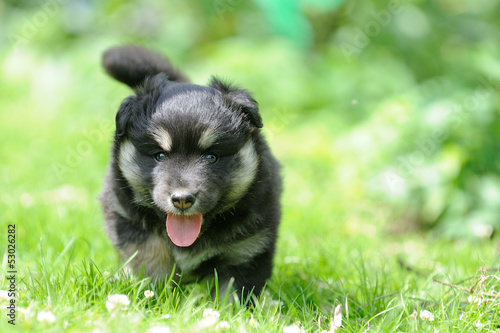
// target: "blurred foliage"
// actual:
[[390, 106]]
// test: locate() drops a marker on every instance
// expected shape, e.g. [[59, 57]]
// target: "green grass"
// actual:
[[337, 241], [312, 275]]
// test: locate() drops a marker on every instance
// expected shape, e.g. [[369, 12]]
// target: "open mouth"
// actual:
[[183, 230]]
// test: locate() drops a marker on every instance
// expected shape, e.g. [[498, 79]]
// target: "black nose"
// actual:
[[183, 201]]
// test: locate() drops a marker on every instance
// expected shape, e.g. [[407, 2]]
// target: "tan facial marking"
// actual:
[[128, 164], [163, 138], [246, 172], [207, 138]]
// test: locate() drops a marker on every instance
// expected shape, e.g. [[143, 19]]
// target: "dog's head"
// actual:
[[187, 150]]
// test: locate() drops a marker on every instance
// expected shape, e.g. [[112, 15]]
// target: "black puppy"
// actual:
[[191, 182]]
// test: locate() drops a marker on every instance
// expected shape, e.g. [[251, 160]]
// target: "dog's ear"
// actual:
[[240, 99], [125, 112], [132, 64], [137, 106]]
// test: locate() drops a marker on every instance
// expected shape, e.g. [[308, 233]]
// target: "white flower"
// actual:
[[149, 293], [222, 325], [4, 295], [474, 299], [117, 300], [337, 319], [292, 329], [426, 315], [27, 312], [45, 317], [275, 303], [211, 313], [252, 322], [165, 316], [479, 324], [210, 318], [336, 322], [159, 329], [204, 324]]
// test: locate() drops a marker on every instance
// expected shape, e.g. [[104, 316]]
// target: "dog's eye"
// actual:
[[211, 158], [160, 157]]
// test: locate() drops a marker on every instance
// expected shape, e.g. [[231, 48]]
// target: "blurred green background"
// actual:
[[385, 115]]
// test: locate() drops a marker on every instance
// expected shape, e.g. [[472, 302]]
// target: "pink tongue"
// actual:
[[183, 230]]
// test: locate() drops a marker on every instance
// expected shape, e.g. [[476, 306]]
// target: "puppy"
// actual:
[[191, 182]]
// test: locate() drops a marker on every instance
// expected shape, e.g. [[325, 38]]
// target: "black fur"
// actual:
[[237, 195], [132, 64]]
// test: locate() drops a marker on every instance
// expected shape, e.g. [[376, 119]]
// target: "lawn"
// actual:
[[402, 248]]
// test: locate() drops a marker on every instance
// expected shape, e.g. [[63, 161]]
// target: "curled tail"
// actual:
[[132, 64]]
